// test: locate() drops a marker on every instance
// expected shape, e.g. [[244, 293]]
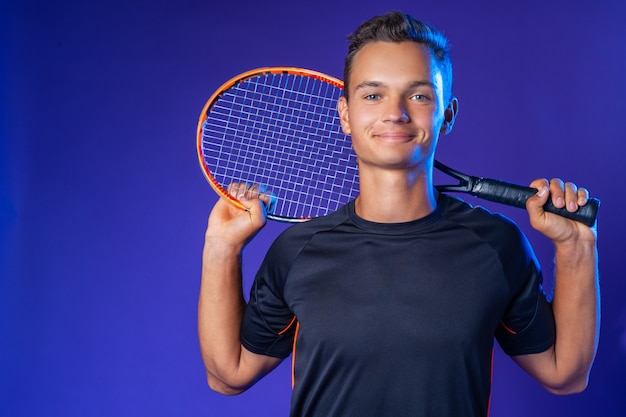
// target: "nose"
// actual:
[[396, 111]]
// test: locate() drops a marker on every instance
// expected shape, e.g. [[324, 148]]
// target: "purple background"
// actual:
[[103, 205]]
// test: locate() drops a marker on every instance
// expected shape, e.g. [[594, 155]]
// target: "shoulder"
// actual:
[[502, 238], [503, 234], [291, 241]]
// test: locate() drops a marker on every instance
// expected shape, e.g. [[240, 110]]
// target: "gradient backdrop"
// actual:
[[103, 205]]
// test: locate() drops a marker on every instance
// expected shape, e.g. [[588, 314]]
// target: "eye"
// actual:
[[372, 96], [420, 97]]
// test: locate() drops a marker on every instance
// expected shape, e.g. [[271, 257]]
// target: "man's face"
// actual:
[[396, 110]]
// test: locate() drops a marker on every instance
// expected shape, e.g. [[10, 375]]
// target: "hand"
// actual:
[[236, 227], [563, 194]]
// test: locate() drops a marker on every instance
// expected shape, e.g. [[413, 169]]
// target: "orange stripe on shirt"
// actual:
[[508, 329], [293, 357], [283, 331]]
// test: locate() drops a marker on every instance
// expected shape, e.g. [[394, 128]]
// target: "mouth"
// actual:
[[395, 136]]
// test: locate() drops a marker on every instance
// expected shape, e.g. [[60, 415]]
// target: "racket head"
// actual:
[[279, 127]]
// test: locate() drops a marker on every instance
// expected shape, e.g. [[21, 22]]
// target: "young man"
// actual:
[[391, 304]]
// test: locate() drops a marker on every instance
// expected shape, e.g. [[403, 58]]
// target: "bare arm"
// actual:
[[230, 368], [565, 368]]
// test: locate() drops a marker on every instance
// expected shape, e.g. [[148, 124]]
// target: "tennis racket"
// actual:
[[279, 127]]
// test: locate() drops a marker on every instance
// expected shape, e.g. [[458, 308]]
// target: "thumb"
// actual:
[[535, 204]]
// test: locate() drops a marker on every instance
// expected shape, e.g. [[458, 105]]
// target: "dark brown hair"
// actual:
[[400, 27]]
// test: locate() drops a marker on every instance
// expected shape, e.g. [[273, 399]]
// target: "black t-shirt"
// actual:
[[397, 319]]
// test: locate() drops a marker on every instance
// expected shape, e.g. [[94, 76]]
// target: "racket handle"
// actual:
[[516, 195]]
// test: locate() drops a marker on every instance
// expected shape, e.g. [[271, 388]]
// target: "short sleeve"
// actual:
[[269, 324], [528, 323]]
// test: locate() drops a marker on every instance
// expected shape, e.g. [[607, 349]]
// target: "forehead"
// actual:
[[398, 61]]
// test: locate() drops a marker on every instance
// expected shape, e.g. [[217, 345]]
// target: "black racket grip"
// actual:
[[516, 195]]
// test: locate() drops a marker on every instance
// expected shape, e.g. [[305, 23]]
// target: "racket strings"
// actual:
[[282, 131]]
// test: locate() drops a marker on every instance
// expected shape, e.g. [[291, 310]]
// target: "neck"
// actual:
[[395, 196]]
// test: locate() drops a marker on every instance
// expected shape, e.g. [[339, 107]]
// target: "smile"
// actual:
[[395, 136]]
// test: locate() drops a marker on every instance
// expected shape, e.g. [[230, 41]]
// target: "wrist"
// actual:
[[221, 247], [575, 252]]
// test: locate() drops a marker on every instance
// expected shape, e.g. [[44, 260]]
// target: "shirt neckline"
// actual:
[[396, 228]]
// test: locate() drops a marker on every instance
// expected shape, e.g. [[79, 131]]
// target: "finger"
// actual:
[[234, 189], [535, 204], [249, 191], [583, 196], [269, 200], [542, 186], [229, 189], [246, 192], [557, 191], [239, 190], [571, 197]]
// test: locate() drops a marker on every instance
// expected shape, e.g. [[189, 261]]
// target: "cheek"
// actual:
[[359, 119]]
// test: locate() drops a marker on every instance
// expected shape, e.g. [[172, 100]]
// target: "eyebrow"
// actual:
[[375, 84]]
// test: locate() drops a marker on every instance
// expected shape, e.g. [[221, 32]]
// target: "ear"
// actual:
[[449, 116], [342, 109]]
